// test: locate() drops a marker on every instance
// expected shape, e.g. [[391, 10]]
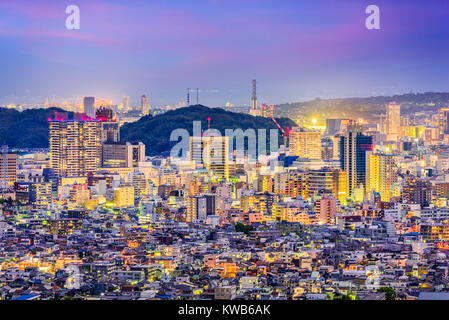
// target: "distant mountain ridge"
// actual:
[[367, 107]]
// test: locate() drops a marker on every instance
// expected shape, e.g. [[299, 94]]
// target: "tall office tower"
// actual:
[[417, 191], [199, 207], [212, 153], [254, 103], [8, 168], [122, 154], [353, 148], [89, 106], [305, 144], [393, 121], [110, 130], [75, 146], [125, 103], [325, 209], [145, 102], [443, 122], [381, 174]]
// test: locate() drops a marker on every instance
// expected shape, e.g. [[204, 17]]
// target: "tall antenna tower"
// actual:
[[254, 104], [188, 96]]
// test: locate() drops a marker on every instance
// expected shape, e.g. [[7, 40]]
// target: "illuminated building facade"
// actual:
[[89, 106], [393, 121], [124, 196], [75, 147], [305, 144], [145, 104], [353, 148], [325, 209], [199, 207], [381, 174], [8, 169], [122, 154], [212, 153]]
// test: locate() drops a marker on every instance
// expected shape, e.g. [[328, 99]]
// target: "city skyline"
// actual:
[[149, 152], [296, 51]]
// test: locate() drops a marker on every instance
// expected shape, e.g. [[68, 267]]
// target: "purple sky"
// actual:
[[297, 50]]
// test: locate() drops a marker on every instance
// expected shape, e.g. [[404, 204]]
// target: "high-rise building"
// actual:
[[145, 103], [381, 174], [417, 191], [110, 130], [325, 209], [353, 148], [330, 179], [393, 121], [8, 168], [122, 154], [199, 207], [125, 103], [40, 194], [443, 122], [75, 147], [305, 144], [212, 153], [89, 106]]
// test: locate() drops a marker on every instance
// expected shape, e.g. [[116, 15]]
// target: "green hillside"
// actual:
[[155, 132], [27, 129]]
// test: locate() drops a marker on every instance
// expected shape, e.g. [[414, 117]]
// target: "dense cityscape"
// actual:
[[348, 210], [223, 158]]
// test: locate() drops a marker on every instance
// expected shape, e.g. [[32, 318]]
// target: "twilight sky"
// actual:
[[296, 49]]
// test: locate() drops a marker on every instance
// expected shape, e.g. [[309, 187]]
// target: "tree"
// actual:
[[390, 294], [240, 227]]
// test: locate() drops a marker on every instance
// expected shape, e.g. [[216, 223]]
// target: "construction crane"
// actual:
[[285, 131]]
